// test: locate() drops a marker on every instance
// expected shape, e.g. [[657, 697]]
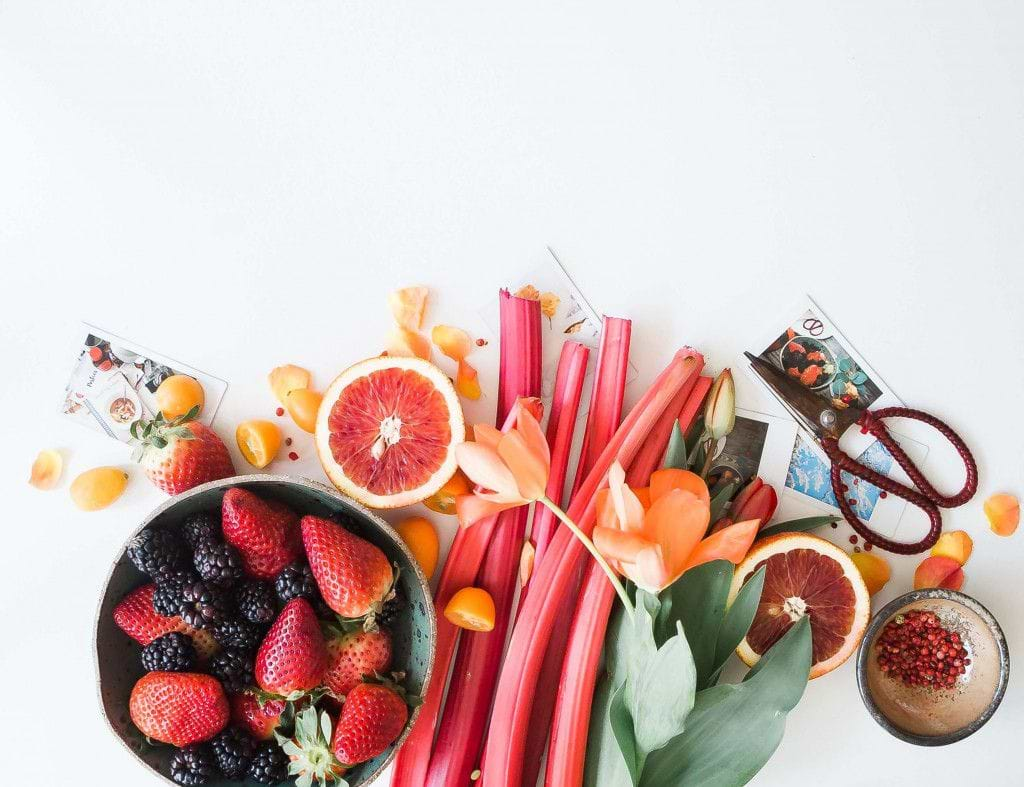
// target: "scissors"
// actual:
[[828, 423]]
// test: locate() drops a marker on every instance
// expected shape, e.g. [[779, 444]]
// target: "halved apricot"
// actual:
[[259, 441], [471, 608], [1003, 512]]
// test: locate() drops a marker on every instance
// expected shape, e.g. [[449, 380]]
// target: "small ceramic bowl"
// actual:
[[413, 631], [937, 717]]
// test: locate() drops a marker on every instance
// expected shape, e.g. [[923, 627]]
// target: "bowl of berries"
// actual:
[[264, 630]]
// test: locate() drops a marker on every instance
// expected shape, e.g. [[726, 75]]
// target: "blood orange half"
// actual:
[[387, 429], [805, 575]]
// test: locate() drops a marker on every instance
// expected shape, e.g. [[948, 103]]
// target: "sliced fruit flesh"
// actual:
[[804, 582], [390, 431]]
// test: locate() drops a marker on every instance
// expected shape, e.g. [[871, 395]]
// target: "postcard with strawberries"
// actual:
[[114, 381]]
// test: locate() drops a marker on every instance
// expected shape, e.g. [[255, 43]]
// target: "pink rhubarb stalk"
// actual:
[[571, 722], [503, 759], [519, 371], [602, 421], [467, 708]]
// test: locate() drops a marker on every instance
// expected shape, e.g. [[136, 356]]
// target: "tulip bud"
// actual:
[[720, 409], [757, 500]]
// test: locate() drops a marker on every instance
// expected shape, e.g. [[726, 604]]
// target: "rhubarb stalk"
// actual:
[[519, 370], [467, 708], [582, 655], [503, 759], [602, 421]]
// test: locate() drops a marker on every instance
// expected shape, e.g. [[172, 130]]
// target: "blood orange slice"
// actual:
[[387, 429], [805, 575]]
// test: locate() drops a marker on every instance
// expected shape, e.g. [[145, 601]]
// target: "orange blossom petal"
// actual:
[[529, 470], [730, 543], [453, 342], [486, 469], [676, 522], [616, 544], [664, 480], [473, 508]]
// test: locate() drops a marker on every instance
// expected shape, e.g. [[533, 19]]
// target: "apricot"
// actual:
[[98, 488], [178, 394], [419, 535], [873, 569], [939, 572], [1003, 512], [303, 406], [955, 544]]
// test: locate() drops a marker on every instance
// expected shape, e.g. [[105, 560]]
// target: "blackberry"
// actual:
[[233, 751], [156, 553], [238, 634], [233, 668], [203, 604], [391, 608], [269, 764], [201, 526], [296, 581], [167, 598], [193, 765], [172, 652], [218, 563], [256, 602]]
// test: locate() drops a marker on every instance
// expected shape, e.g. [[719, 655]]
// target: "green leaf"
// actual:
[[605, 765], [698, 600], [676, 456], [159, 442], [734, 729], [621, 721], [737, 621], [721, 500], [617, 649], [798, 525]]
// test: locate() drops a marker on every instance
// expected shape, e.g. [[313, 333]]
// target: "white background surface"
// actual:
[[239, 185]]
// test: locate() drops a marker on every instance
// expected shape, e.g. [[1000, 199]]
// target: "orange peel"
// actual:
[[285, 379], [405, 343], [46, 469], [408, 305]]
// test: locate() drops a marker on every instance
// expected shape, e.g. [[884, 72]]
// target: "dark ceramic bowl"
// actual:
[[413, 632], [937, 717]]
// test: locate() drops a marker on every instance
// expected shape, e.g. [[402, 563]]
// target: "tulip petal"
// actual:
[[487, 435], [530, 404], [730, 543], [628, 509], [606, 516], [663, 481], [486, 469], [760, 505], [651, 572], [529, 470], [676, 523], [536, 442], [746, 492], [615, 544], [472, 508], [643, 494]]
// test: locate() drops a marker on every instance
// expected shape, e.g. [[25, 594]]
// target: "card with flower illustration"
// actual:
[[114, 381]]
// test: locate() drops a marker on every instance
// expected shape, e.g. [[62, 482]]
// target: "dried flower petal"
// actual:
[[549, 304], [46, 469], [467, 382], [403, 343], [453, 342], [407, 306], [529, 292], [285, 379], [526, 558]]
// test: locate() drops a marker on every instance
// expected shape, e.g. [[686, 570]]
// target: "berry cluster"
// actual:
[[915, 648]]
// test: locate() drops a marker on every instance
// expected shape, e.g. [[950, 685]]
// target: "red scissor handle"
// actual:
[[925, 496]]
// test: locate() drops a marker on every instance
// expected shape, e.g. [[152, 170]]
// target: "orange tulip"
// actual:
[[654, 547]]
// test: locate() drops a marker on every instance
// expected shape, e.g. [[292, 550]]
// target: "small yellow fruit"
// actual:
[[419, 535], [259, 442], [178, 394], [98, 488], [303, 405], [873, 568], [471, 608]]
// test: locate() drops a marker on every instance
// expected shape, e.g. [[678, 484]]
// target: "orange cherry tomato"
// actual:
[[259, 442], [178, 394], [303, 405], [419, 535], [471, 608], [443, 500]]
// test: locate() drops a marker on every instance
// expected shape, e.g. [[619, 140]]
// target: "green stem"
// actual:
[[709, 457], [612, 576]]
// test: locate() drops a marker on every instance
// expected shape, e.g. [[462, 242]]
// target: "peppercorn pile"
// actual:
[[915, 648]]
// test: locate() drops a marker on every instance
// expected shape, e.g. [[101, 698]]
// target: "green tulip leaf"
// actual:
[[734, 729], [697, 600], [721, 500], [605, 766], [625, 735], [676, 456], [737, 621], [798, 525]]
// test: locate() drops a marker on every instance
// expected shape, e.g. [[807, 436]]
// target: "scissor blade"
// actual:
[[806, 406]]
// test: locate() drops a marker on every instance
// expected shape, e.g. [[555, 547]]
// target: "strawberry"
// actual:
[[310, 749], [293, 657], [260, 722], [136, 617], [371, 719], [353, 655], [354, 576], [179, 708], [265, 532], [182, 453]]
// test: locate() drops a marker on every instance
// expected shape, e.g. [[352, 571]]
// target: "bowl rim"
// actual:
[[304, 482], [864, 654]]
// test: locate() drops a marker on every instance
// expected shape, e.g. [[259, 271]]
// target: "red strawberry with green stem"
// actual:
[[179, 708], [181, 453], [354, 576], [265, 532], [372, 718], [292, 659], [309, 749], [260, 721], [353, 655]]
